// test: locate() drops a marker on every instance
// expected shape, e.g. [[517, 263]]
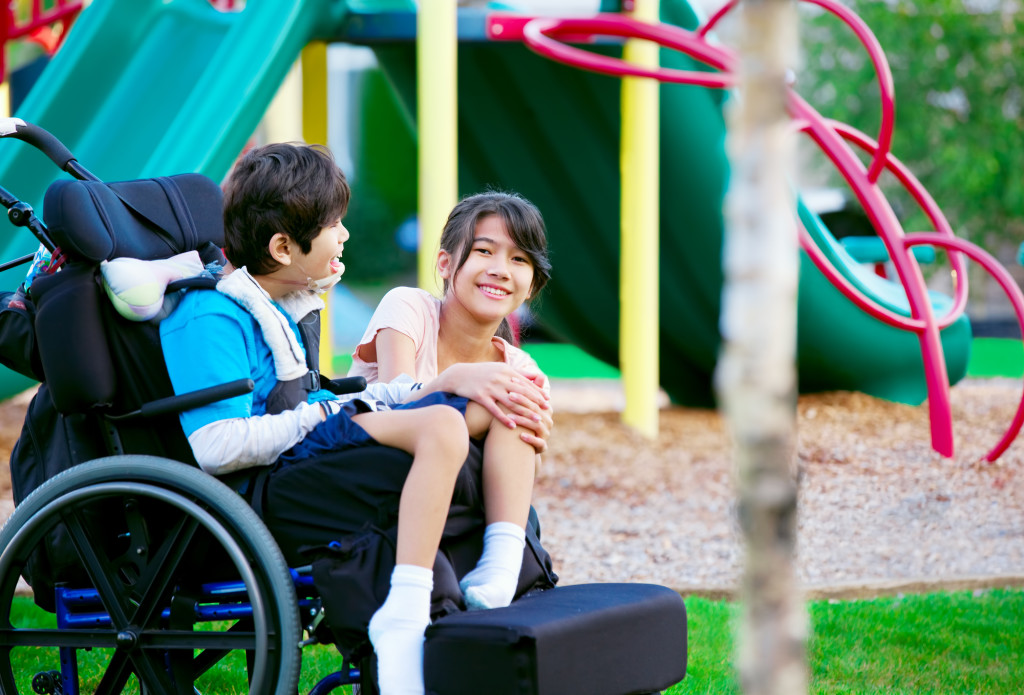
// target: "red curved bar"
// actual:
[[882, 218], [537, 35], [1013, 292], [875, 53], [891, 236], [931, 210], [885, 83], [834, 139], [725, 9]]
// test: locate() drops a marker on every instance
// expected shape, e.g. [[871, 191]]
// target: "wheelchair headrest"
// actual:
[[148, 218]]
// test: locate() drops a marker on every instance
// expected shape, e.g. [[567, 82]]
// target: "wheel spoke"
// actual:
[[209, 657], [76, 639], [162, 571], [116, 675], [100, 571], [150, 670]]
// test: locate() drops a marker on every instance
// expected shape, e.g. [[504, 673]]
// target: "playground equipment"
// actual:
[[194, 82], [37, 26]]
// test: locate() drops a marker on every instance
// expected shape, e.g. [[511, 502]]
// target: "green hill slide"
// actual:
[[153, 87]]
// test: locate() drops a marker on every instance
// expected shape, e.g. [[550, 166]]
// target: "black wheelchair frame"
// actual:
[[135, 610], [158, 578]]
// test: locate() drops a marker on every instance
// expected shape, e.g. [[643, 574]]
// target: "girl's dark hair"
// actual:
[[525, 227], [288, 188]]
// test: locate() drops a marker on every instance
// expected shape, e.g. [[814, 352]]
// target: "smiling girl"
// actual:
[[493, 258]]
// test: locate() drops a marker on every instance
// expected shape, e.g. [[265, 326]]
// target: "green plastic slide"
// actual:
[[551, 132], [150, 87], [154, 87]]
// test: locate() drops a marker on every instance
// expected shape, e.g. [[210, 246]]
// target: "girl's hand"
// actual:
[[534, 419], [495, 385]]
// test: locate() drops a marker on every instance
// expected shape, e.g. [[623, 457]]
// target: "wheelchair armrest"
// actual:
[[348, 384], [188, 401]]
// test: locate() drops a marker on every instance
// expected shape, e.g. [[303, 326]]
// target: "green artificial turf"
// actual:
[[994, 357], [990, 357]]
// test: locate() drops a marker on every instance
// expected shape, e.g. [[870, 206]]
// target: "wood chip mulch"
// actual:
[[879, 511]]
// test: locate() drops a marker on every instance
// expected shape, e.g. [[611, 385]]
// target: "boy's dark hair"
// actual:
[[291, 188]]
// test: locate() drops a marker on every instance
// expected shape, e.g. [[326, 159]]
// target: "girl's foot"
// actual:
[[493, 582]]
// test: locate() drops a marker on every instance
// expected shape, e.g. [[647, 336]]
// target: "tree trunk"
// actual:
[[756, 379]]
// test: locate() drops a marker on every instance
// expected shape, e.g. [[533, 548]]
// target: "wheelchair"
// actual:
[[150, 575]]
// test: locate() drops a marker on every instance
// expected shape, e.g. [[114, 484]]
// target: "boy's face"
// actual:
[[324, 257], [322, 262]]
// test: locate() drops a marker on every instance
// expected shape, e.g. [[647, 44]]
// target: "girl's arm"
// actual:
[[512, 396], [396, 355], [491, 384]]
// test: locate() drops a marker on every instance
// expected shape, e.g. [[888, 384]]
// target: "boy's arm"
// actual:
[[206, 346], [230, 445]]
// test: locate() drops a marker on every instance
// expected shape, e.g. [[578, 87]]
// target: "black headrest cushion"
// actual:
[[148, 218]]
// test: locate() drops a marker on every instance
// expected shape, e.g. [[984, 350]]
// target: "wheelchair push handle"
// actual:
[[47, 143], [188, 401], [344, 385]]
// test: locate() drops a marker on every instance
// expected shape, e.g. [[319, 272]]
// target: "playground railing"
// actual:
[[38, 26], [548, 37]]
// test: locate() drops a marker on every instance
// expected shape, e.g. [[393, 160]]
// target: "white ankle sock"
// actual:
[[492, 583], [396, 631]]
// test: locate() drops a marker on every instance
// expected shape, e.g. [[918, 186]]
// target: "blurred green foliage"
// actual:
[[957, 67]]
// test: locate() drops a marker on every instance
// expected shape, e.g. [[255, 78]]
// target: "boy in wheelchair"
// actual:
[[284, 238], [113, 528]]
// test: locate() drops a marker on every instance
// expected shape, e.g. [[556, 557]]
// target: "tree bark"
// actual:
[[756, 377]]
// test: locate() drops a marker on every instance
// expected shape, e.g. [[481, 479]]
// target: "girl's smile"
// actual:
[[496, 276]]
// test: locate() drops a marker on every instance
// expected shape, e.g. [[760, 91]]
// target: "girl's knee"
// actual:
[[502, 431]]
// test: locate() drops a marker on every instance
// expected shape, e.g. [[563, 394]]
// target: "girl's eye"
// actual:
[[520, 259], [480, 249]]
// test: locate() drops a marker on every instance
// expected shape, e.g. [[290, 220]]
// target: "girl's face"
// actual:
[[496, 276]]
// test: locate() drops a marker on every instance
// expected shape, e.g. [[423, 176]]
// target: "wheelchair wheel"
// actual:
[[170, 584]]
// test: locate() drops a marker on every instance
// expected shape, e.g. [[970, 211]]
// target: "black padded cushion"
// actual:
[[586, 639], [148, 218], [73, 346]]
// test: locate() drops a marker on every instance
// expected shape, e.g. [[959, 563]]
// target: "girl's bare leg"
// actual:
[[437, 438], [509, 467]]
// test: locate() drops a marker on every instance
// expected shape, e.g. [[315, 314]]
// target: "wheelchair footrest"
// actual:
[[590, 639]]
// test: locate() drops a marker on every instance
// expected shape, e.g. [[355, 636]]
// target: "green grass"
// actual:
[[932, 643], [959, 642]]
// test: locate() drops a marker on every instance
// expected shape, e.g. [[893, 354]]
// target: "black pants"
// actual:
[[314, 502]]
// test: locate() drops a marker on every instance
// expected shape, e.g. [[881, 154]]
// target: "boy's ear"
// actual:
[[280, 248], [444, 265]]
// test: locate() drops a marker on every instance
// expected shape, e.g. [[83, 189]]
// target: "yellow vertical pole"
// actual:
[[638, 291], [314, 131], [437, 119], [283, 120]]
